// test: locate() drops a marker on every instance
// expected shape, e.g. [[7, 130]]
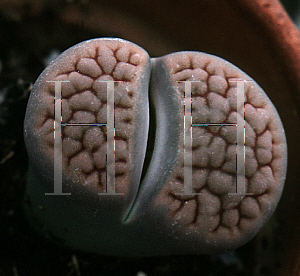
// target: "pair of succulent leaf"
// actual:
[[151, 218]]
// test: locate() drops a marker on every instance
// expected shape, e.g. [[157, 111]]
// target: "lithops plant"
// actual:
[[150, 215]]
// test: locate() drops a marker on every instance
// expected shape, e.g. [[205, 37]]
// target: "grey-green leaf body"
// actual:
[[150, 219]]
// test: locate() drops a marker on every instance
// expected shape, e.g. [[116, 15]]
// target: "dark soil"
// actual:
[[26, 41]]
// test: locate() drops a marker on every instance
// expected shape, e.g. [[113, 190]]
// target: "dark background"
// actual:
[[29, 37]]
